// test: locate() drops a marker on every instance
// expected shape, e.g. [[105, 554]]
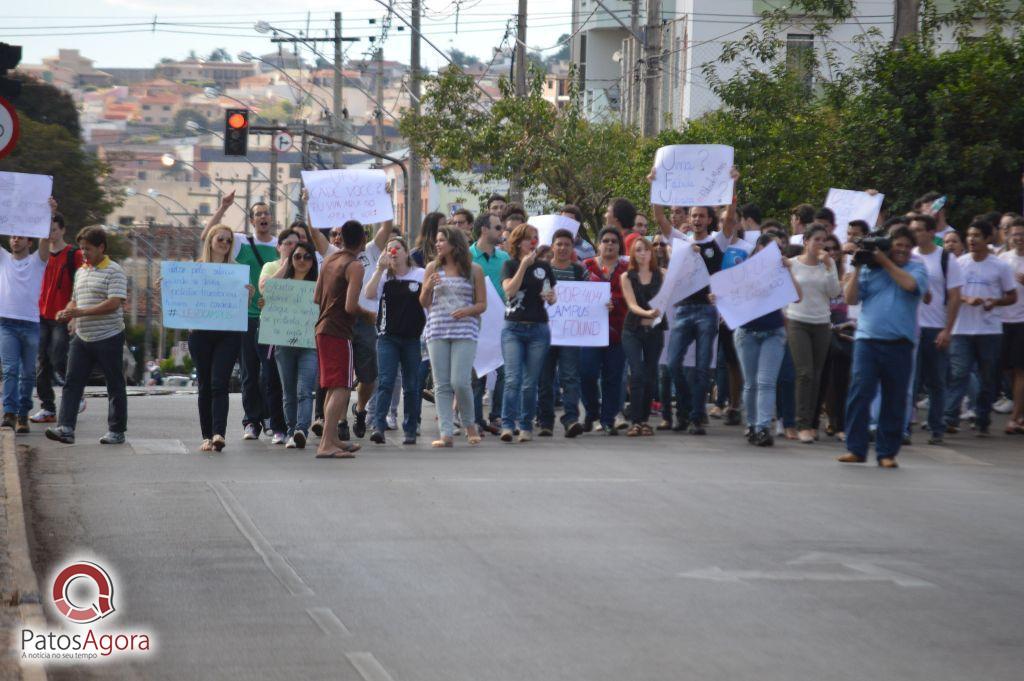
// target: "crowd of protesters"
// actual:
[[907, 314]]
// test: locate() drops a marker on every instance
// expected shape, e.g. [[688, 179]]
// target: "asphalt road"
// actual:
[[673, 557]]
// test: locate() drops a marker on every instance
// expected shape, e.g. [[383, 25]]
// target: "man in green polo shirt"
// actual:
[[485, 252], [262, 401]]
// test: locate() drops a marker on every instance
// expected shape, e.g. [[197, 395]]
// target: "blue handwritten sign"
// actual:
[[207, 296]]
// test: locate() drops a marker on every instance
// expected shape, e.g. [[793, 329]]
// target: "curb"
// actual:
[[26, 586]]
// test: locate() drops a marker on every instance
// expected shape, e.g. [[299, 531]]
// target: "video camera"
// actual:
[[867, 246]]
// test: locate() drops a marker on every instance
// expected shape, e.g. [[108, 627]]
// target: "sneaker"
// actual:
[[764, 438], [298, 439], [278, 439], [81, 405], [936, 440], [409, 440], [506, 435], [1003, 406], [43, 416], [544, 432], [588, 424], [392, 422], [377, 437], [343, 433], [10, 421], [967, 415], [750, 434], [923, 404], [907, 442], [318, 427], [112, 438], [291, 443], [251, 433], [681, 426], [428, 395], [524, 436], [359, 428], [732, 417], [574, 429], [21, 426], [61, 434], [697, 429], [610, 430]]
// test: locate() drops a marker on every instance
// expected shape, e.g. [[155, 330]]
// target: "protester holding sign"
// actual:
[[761, 346], [96, 304], [400, 322], [810, 324], [528, 283], [297, 366], [454, 295], [643, 335], [21, 281], [606, 364], [214, 353], [486, 253], [562, 361]]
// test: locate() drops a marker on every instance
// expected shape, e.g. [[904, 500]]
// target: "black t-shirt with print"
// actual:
[[400, 313], [526, 305], [712, 249]]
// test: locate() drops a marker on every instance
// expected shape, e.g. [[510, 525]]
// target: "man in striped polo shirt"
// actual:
[[96, 317]]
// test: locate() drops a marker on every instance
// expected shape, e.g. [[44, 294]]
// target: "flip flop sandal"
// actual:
[[346, 452]]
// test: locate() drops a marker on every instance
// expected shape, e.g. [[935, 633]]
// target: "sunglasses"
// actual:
[[335, 234], [301, 256], [223, 239], [610, 241]]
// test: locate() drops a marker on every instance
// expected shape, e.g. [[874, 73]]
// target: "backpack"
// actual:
[[945, 266], [69, 267]]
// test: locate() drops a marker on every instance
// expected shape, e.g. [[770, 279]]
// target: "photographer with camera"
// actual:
[[889, 287]]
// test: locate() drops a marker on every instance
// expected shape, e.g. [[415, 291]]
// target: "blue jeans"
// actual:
[[760, 354], [19, 345], [566, 361], [606, 364], [298, 368], [931, 368], [693, 324], [451, 362], [874, 363], [785, 397], [53, 361], [394, 352], [524, 346], [965, 351]]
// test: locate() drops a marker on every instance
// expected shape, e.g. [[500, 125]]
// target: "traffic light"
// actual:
[[236, 132], [10, 56]]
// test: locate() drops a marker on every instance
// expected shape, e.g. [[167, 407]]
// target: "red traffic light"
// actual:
[[237, 121]]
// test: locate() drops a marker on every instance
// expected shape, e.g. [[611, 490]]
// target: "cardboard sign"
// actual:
[[207, 296], [755, 287], [492, 321], [336, 196], [289, 314], [693, 175], [579, 317], [25, 204]]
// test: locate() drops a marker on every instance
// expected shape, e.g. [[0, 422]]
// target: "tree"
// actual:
[[47, 104], [219, 54], [461, 59], [179, 126]]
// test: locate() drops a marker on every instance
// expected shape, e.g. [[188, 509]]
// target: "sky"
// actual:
[[120, 33]]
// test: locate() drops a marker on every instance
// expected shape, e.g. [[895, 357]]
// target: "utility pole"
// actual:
[[515, 190], [630, 82], [652, 68], [248, 203], [378, 143], [273, 181], [415, 207], [907, 19]]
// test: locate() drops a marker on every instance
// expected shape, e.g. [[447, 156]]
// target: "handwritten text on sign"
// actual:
[[25, 204], [207, 296], [686, 275], [289, 313], [693, 175], [849, 205], [752, 289], [336, 196], [580, 317]]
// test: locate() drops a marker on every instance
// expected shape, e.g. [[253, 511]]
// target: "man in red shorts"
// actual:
[[337, 294]]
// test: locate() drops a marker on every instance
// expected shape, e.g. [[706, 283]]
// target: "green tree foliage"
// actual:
[[49, 145]]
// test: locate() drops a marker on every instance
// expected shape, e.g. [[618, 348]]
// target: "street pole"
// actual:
[[652, 67], [415, 207], [630, 107], [248, 203], [337, 118], [515, 190], [147, 339], [379, 83], [273, 182], [906, 18]]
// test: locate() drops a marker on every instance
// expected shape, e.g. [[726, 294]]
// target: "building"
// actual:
[[69, 70], [223, 74]]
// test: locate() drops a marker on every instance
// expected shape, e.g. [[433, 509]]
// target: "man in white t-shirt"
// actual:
[[1013, 323], [936, 316], [21, 280], [978, 330]]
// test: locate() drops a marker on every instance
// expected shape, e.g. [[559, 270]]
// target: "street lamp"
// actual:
[[215, 93], [154, 194]]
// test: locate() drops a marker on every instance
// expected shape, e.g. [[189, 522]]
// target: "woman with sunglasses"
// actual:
[[835, 379], [608, 363], [214, 352], [400, 322], [528, 283], [298, 367]]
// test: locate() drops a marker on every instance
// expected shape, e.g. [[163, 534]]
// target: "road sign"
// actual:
[[282, 141], [9, 127]]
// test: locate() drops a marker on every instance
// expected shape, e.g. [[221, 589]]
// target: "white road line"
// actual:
[[274, 561], [368, 667], [328, 621], [158, 446], [862, 573]]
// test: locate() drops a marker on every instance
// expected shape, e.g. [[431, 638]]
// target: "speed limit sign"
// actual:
[[8, 127], [282, 141]]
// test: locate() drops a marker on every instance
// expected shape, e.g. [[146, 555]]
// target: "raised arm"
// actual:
[[315, 236], [226, 202]]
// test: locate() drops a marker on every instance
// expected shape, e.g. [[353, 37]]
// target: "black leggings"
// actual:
[[214, 354], [643, 349]]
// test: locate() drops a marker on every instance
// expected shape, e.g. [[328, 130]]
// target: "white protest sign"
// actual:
[[492, 321], [579, 318], [849, 205], [547, 225], [208, 296], [693, 175], [336, 196], [755, 287], [25, 204], [289, 315], [686, 275]]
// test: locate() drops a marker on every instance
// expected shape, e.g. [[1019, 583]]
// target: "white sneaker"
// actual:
[[392, 422], [278, 439], [923, 404], [967, 415], [291, 443], [43, 416], [1003, 406]]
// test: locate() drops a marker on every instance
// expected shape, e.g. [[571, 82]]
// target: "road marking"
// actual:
[[947, 455], [368, 667], [328, 621], [859, 571], [158, 446], [274, 561]]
